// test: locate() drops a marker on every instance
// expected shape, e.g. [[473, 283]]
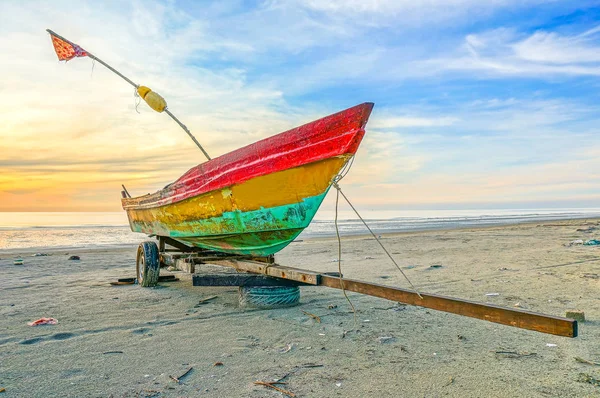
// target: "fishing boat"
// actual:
[[256, 199]]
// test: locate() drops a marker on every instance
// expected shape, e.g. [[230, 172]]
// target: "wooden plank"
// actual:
[[506, 316], [240, 279], [519, 318], [275, 270]]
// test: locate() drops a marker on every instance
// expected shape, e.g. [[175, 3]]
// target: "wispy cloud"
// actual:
[[503, 52]]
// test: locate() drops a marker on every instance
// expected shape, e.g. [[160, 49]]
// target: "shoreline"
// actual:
[[328, 237]]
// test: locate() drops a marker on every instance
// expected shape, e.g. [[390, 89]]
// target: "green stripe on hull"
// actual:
[[252, 244], [259, 232]]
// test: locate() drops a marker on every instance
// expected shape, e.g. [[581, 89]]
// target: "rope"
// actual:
[[136, 99], [337, 231], [339, 190]]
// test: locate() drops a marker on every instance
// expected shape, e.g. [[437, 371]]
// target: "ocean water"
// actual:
[[88, 230]]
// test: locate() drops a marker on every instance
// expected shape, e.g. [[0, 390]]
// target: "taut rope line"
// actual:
[[339, 190]]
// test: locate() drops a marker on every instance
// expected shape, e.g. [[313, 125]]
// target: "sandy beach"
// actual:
[[126, 341]]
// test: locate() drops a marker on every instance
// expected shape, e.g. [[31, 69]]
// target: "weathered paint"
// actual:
[[258, 232], [277, 189], [259, 198]]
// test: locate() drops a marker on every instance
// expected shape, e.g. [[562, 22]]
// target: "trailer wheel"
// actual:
[[147, 264], [269, 296]]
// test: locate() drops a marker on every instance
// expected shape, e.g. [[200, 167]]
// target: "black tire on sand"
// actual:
[[147, 264], [269, 296]]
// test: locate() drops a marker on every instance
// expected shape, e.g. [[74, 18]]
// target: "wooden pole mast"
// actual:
[[92, 56]]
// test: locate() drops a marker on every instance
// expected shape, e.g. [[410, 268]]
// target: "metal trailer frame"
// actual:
[[264, 271]]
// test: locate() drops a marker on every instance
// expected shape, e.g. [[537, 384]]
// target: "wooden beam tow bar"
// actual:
[[519, 318]]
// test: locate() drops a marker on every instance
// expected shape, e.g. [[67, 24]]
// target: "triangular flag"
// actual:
[[66, 50]]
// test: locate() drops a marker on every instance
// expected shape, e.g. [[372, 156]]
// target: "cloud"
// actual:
[[453, 119], [408, 121], [505, 52], [65, 123], [398, 13]]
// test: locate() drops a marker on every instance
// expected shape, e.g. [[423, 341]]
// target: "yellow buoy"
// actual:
[[154, 100]]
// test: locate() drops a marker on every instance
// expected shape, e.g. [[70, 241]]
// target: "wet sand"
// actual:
[[125, 341]]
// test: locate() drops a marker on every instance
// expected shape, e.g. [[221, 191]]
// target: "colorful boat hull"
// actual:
[[257, 199]]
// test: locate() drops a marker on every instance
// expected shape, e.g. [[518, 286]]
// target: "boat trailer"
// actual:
[[264, 271]]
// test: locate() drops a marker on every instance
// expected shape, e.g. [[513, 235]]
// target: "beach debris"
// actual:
[[581, 360], [118, 283], [461, 337], [588, 230], [313, 316], [2, 389], [576, 242], [590, 275], [18, 261], [74, 258], [515, 354], [287, 348], [369, 258], [178, 379], [450, 381], [271, 384], [386, 339], [586, 378], [205, 300], [551, 345], [40, 255], [218, 364], [579, 316], [434, 266], [331, 306], [298, 368], [492, 294], [43, 321], [338, 384], [592, 242], [113, 352], [518, 305]]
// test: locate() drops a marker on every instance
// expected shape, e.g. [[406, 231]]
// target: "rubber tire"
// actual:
[[147, 264], [269, 296]]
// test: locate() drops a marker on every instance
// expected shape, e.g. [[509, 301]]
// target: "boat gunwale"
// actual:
[[351, 139]]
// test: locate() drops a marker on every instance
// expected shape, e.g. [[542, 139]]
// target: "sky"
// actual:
[[478, 104]]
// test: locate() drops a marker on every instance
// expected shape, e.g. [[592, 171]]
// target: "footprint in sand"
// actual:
[[31, 341], [62, 336]]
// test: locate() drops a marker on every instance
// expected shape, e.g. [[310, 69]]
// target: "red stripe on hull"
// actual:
[[334, 135]]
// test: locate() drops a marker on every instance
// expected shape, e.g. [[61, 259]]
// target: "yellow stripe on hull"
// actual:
[[271, 190]]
